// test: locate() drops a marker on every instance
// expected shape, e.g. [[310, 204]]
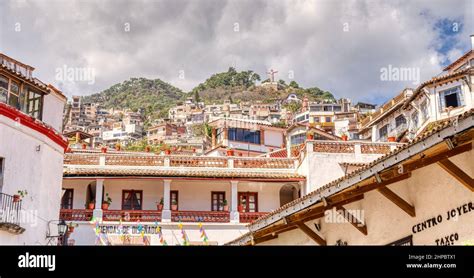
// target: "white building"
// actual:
[[31, 156]]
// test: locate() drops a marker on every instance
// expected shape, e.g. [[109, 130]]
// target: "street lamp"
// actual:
[[62, 228]]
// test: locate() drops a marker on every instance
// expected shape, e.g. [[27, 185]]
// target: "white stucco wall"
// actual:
[[325, 167], [53, 107], [431, 190], [37, 172], [273, 138]]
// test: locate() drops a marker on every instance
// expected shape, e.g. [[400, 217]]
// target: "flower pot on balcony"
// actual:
[[84, 146], [147, 149], [344, 137], [230, 152], [240, 208], [310, 136], [91, 206], [167, 152], [104, 149], [105, 206], [226, 208], [16, 198], [118, 147], [391, 139], [174, 207], [159, 207], [70, 229]]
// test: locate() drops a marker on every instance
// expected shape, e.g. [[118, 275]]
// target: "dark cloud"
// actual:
[[199, 38]]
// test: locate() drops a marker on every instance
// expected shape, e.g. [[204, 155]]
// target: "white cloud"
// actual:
[[198, 37]]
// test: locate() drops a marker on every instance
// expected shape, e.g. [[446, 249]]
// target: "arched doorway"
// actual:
[[288, 193]]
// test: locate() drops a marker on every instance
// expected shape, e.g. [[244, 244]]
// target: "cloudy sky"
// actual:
[[336, 45]]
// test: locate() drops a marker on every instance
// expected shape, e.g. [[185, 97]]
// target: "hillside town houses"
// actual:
[[245, 173]]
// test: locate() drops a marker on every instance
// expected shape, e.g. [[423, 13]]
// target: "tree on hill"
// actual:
[[293, 84], [230, 78]]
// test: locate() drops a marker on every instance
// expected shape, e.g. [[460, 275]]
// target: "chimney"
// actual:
[[472, 42]]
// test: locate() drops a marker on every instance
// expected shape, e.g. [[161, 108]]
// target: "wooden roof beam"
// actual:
[[398, 201], [457, 173], [309, 232], [357, 223]]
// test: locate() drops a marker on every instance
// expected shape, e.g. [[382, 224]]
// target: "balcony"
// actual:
[[200, 216], [75, 214], [155, 216], [249, 217], [10, 212]]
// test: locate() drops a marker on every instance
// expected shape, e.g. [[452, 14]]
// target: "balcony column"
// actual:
[[99, 189], [234, 213], [166, 213]]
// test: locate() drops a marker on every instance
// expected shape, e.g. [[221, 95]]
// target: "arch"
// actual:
[[288, 193]]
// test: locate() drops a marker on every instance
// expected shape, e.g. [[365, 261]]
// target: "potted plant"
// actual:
[[84, 146], [106, 203], [240, 208], [310, 135], [91, 204], [230, 152], [391, 139], [20, 195], [225, 205], [147, 149], [160, 204], [118, 147], [104, 149], [344, 136], [174, 205], [71, 227]]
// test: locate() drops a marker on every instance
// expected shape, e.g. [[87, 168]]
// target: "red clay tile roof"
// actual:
[[335, 185], [176, 172]]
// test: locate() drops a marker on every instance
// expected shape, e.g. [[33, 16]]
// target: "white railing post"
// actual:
[[99, 188], [166, 162], [166, 213], [102, 160], [234, 213], [230, 163]]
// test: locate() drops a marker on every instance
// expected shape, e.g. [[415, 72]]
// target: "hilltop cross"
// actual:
[[272, 74]]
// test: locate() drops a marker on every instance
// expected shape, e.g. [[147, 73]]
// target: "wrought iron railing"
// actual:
[[10, 209]]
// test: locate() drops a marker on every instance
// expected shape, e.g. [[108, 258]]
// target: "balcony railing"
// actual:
[[200, 216], [132, 215], [178, 161], [10, 209], [75, 214], [248, 217]]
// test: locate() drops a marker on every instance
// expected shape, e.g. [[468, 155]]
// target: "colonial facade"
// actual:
[[31, 155], [421, 193], [221, 193]]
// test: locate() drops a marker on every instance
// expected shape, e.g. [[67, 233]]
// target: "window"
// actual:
[[248, 201], [406, 241], [244, 135], [217, 200], [34, 102], [452, 97], [132, 199], [383, 131], [400, 120], [328, 119], [316, 119], [424, 111], [315, 108], [298, 139], [174, 198], [3, 89], [66, 200], [1, 174], [14, 97], [414, 119]]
